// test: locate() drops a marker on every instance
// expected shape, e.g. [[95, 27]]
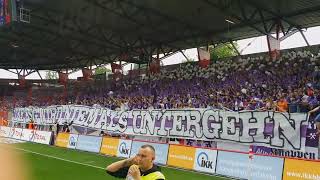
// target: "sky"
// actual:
[[246, 46]]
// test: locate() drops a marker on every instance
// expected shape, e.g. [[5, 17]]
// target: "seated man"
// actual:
[[140, 167]]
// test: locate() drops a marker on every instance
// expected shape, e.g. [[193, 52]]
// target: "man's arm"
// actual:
[[120, 169], [314, 110], [120, 164]]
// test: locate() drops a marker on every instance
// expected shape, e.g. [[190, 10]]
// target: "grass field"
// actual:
[[52, 163]]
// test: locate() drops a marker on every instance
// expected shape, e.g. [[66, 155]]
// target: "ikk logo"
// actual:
[[123, 148], [203, 161], [72, 141]]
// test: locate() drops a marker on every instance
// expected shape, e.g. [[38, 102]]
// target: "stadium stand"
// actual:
[[247, 83]]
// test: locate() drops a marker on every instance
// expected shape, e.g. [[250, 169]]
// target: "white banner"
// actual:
[[270, 129], [42, 137]]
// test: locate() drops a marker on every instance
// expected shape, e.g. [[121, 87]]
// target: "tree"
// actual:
[[51, 75], [142, 66], [222, 51], [101, 70]]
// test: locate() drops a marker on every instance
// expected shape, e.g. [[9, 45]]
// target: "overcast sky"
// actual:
[[257, 44]]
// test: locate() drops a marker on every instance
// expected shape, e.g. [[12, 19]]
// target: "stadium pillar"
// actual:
[[274, 42]]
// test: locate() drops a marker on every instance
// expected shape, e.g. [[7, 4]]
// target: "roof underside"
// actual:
[[78, 33]]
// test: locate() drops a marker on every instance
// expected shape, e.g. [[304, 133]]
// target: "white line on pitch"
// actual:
[[62, 159]]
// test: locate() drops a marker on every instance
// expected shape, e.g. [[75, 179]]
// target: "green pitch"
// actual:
[[52, 163]]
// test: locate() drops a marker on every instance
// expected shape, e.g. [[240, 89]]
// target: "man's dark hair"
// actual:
[[149, 146]]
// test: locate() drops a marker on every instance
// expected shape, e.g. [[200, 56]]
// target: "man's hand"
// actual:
[[134, 171], [131, 161]]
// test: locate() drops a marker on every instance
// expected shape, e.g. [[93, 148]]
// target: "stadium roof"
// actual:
[[78, 33]]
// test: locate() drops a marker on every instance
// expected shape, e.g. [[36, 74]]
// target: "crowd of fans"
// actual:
[[289, 83]]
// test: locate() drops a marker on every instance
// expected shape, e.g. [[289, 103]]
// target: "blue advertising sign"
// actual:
[[89, 143], [241, 166]]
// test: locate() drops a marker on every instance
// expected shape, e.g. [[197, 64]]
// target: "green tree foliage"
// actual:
[[51, 75], [222, 51], [101, 70], [142, 66]]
